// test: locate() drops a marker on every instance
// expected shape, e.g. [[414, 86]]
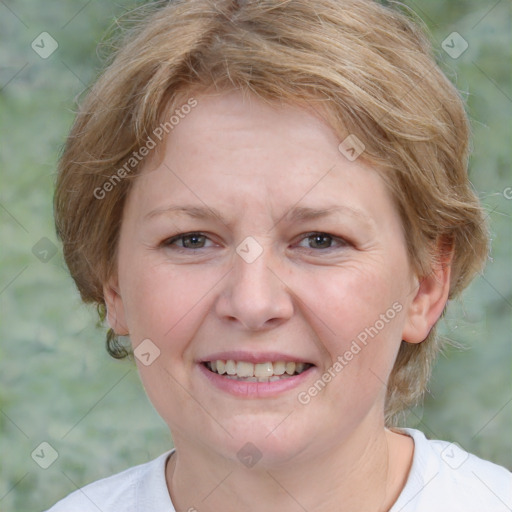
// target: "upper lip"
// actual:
[[254, 357]]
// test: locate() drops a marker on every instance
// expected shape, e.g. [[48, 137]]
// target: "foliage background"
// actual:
[[57, 382]]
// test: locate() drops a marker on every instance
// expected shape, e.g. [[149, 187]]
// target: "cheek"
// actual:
[[165, 304], [358, 316], [349, 300], [162, 302]]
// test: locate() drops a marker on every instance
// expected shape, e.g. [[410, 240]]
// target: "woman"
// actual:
[[271, 200]]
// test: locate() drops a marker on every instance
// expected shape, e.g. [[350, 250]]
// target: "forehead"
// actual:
[[235, 152]]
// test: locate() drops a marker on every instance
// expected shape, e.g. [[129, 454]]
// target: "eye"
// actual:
[[188, 240], [324, 240], [196, 240]]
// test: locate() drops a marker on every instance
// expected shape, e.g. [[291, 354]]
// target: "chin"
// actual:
[[268, 439]]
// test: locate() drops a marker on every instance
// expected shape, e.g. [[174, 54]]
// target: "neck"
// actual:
[[363, 473]]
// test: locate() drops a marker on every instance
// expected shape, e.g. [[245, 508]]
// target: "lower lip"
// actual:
[[255, 389]]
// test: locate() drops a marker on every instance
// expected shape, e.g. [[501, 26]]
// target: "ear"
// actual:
[[115, 307], [431, 295]]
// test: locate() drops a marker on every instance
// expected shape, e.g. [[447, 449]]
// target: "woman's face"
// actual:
[[275, 281]]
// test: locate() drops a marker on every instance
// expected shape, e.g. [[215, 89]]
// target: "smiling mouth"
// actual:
[[256, 372]]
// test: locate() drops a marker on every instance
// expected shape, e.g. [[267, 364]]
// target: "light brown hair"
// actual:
[[368, 67]]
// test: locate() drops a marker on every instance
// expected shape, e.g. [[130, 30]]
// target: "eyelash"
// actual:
[[170, 241]]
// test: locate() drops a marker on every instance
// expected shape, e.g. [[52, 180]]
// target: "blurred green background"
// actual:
[[57, 382]]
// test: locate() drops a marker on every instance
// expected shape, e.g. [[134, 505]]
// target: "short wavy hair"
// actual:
[[369, 67]]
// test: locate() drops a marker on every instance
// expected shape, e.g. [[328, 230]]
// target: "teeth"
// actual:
[[279, 367], [259, 372], [263, 370], [290, 368], [230, 367], [220, 367], [244, 369]]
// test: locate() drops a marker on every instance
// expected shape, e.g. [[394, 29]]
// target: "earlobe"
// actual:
[[115, 308], [431, 295]]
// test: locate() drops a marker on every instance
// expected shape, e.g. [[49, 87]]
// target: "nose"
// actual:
[[255, 294]]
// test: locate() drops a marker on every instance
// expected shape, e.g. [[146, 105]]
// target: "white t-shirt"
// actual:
[[443, 478]]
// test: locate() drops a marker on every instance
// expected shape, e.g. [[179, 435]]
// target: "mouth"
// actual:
[[266, 372]]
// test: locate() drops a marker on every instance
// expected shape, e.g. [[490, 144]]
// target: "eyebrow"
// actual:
[[297, 214]]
